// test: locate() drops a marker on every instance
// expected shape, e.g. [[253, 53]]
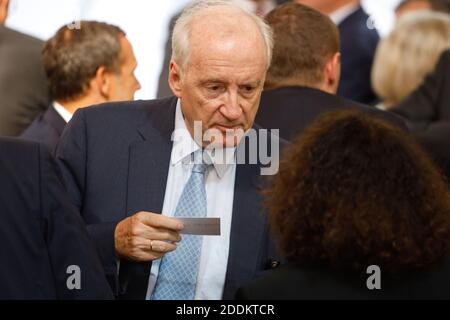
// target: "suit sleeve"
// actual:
[[427, 114], [70, 248], [71, 155]]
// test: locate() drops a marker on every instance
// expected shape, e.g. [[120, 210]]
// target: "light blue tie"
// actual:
[[177, 277]]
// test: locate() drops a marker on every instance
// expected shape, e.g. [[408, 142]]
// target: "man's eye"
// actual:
[[248, 89]]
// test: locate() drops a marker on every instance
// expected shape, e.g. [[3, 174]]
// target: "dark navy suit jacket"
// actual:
[[115, 159], [293, 109], [41, 233], [46, 128], [358, 45]]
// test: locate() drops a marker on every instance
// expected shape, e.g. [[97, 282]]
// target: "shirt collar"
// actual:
[[184, 146], [66, 115], [341, 14]]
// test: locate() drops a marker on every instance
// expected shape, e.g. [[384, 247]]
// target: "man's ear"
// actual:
[[175, 78], [103, 82], [333, 72]]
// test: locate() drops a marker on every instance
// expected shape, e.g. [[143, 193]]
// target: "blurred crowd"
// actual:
[[364, 124]]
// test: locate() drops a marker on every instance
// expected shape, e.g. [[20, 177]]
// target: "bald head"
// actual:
[[219, 23], [230, 35]]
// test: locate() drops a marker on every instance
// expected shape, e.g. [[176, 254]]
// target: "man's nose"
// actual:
[[138, 85], [232, 109]]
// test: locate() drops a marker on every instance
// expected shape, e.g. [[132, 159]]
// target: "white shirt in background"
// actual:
[[66, 115], [341, 14]]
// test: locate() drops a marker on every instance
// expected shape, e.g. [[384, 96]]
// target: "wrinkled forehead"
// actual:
[[228, 36]]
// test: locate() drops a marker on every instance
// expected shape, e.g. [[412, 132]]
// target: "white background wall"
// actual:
[[144, 21]]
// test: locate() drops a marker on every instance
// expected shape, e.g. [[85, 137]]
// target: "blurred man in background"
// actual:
[[85, 66], [22, 81], [304, 75], [358, 43]]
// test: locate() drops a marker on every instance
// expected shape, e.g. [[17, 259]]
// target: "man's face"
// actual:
[[221, 84], [124, 84]]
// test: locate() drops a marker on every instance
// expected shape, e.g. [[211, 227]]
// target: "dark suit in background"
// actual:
[[358, 45], [46, 128], [23, 85], [41, 233], [292, 109], [427, 112], [115, 159], [293, 282]]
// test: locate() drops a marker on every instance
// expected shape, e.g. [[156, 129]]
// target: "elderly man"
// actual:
[[85, 66], [132, 183]]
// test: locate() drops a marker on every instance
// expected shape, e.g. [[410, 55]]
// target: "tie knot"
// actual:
[[201, 162], [200, 168]]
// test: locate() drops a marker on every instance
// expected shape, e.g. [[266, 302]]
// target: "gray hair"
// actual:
[[182, 29]]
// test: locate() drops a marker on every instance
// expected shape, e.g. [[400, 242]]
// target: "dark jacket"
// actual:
[[46, 128], [42, 235], [293, 282], [23, 84], [359, 40], [427, 113], [292, 109], [115, 159]]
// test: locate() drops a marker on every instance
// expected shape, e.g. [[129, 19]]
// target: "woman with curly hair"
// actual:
[[354, 191]]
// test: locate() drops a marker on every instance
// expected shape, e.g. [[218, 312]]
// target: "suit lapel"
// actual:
[[147, 177], [150, 159]]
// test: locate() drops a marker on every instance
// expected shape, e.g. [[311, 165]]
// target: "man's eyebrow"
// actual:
[[255, 83], [213, 80]]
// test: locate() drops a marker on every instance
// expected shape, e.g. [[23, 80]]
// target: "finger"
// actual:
[[162, 246], [160, 234], [160, 221]]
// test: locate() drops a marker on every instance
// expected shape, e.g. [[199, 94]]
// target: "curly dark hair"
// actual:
[[353, 191]]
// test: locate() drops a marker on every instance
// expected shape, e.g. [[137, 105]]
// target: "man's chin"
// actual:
[[224, 142], [220, 137]]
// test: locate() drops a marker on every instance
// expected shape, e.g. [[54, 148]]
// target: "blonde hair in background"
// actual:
[[182, 29], [408, 54]]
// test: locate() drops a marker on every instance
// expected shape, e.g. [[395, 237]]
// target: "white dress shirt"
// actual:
[[219, 186], [66, 115], [342, 13]]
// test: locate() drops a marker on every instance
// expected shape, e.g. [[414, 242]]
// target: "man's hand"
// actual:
[[146, 236]]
